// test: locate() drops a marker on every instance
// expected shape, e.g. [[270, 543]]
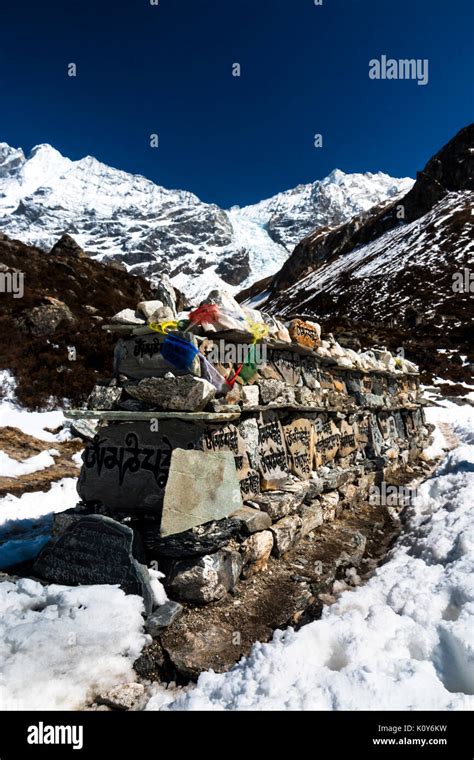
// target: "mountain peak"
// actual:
[[335, 176], [11, 159], [153, 230]]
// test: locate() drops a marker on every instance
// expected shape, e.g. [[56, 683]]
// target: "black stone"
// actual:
[[96, 550], [126, 465], [203, 539]]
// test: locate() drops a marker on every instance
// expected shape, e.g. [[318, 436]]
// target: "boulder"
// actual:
[[311, 517], [148, 308], [256, 550], [103, 397], [329, 502], [128, 317], [185, 393], [270, 390], [286, 533], [252, 520], [278, 504], [206, 579], [46, 318], [126, 696], [250, 396]]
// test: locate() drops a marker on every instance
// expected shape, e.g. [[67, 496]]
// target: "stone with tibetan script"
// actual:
[[249, 483], [139, 357], [96, 550], [202, 486], [362, 432], [305, 333], [272, 456], [299, 439], [327, 443], [126, 465], [348, 442], [288, 365], [227, 438]]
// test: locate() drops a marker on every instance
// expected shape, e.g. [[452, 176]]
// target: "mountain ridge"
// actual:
[[388, 274], [118, 216]]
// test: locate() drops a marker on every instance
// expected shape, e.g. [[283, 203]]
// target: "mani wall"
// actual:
[[224, 437]]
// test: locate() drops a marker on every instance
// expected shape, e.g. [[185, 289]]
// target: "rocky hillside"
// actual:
[[389, 274], [118, 216], [66, 298]]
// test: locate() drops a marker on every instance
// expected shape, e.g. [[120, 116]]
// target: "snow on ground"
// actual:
[[26, 521], [404, 641], [11, 468], [60, 645], [31, 423]]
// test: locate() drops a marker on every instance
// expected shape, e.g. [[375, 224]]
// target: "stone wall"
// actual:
[[216, 467]]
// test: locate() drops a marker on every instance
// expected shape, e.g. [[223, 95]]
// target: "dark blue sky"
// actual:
[[166, 69]]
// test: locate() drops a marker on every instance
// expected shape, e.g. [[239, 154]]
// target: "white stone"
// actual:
[[148, 308], [128, 317]]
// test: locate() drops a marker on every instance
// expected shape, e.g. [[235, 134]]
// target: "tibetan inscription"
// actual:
[[126, 466], [272, 457], [299, 439]]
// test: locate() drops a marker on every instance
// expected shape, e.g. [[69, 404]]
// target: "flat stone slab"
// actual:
[[203, 539], [118, 416], [202, 486]]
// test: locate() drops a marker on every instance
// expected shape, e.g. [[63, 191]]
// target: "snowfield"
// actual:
[[404, 641], [59, 645]]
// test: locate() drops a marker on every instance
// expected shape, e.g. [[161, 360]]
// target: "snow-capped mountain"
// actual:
[[115, 215], [290, 216], [401, 273]]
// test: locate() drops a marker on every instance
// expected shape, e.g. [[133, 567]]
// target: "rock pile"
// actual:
[[226, 436]]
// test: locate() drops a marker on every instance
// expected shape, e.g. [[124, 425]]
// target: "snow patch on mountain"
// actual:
[[371, 268], [114, 215]]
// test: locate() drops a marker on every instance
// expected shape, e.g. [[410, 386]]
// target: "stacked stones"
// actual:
[[266, 432]]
